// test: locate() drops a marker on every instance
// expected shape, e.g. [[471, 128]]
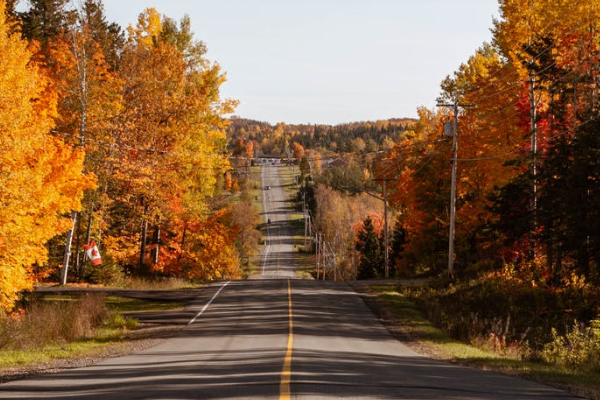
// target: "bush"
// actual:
[[109, 273], [503, 313], [578, 349]]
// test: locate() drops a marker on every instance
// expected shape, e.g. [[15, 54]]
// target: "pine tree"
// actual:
[[369, 245], [399, 238], [109, 36], [45, 19]]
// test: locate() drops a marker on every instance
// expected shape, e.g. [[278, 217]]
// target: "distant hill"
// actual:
[[366, 136]]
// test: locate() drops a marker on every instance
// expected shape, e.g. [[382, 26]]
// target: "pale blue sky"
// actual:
[[329, 61]]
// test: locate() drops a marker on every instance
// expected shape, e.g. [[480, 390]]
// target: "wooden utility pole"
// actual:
[[385, 221], [454, 161], [385, 225]]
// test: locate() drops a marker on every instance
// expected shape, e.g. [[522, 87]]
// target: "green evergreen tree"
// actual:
[[10, 8], [109, 36], [45, 19], [569, 202], [398, 240], [369, 245]]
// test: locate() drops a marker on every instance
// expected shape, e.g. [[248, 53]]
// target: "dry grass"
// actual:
[[135, 283], [45, 323]]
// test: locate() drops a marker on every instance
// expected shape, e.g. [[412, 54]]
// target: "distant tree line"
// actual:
[[356, 137]]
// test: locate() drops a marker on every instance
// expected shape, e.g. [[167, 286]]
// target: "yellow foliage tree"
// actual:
[[40, 176], [171, 138]]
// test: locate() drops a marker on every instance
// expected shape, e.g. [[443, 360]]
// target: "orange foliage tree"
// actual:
[[516, 203], [171, 139], [40, 175]]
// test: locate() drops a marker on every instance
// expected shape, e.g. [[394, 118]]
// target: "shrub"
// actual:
[[109, 273], [504, 314], [579, 348]]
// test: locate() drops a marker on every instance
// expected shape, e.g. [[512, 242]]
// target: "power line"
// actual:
[[455, 106], [526, 148]]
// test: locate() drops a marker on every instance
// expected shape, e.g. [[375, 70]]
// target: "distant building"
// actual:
[[268, 160], [336, 163]]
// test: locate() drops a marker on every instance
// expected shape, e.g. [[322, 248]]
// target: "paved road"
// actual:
[[278, 258], [237, 348], [277, 339]]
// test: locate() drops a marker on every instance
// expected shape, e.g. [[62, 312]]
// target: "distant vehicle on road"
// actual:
[[267, 187]]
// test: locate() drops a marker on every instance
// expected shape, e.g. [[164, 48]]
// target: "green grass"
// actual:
[[305, 273], [252, 269], [12, 359], [419, 333], [287, 176], [297, 221], [122, 304]]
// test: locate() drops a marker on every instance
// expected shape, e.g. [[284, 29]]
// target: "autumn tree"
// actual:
[[89, 101], [171, 135], [34, 165], [526, 182], [297, 151], [244, 220], [554, 46], [339, 216]]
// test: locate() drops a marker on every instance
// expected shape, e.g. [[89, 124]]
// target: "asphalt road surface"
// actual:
[[278, 259], [277, 339]]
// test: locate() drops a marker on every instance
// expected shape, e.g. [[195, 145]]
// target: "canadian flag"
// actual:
[[91, 250]]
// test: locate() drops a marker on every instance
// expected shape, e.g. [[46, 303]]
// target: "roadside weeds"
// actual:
[[122, 336], [407, 324]]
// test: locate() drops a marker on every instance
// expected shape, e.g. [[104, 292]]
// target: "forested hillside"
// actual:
[[327, 139]]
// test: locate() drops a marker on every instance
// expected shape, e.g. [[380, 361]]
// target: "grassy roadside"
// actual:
[[404, 321], [38, 347], [305, 261]]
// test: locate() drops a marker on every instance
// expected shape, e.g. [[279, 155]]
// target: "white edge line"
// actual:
[[209, 303]]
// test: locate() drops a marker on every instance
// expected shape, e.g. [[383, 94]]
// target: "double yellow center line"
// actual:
[[286, 372]]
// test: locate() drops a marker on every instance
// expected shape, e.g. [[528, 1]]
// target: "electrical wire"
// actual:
[[528, 147]]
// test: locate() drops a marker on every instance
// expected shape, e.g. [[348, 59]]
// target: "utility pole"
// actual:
[[453, 194], [452, 229], [385, 228], [317, 254]]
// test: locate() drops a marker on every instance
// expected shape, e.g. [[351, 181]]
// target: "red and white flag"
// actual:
[[91, 250]]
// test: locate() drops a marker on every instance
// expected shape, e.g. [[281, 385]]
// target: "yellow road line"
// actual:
[[286, 372]]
